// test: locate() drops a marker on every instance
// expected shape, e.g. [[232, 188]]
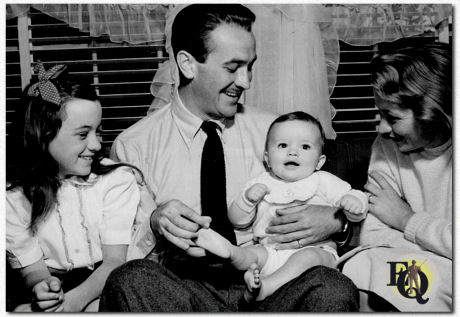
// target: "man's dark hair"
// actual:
[[193, 24]]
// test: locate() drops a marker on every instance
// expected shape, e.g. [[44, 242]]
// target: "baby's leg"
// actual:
[[297, 263], [241, 257], [213, 242]]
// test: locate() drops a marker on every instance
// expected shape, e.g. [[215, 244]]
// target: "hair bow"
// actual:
[[44, 87]]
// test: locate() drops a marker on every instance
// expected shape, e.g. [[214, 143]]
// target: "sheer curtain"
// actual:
[[358, 24], [292, 69], [370, 24], [132, 23]]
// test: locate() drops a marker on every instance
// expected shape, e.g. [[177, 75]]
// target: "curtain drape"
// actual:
[[357, 24], [297, 44], [132, 23], [370, 24]]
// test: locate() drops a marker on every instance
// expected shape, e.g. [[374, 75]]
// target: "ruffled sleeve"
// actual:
[[120, 201], [22, 248]]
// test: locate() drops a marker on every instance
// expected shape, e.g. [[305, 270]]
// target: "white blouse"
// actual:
[[90, 213]]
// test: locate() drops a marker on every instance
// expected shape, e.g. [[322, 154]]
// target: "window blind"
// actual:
[[356, 114], [121, 73]]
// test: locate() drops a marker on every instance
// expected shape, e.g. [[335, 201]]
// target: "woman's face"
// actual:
[[399, 125], [78, 140]]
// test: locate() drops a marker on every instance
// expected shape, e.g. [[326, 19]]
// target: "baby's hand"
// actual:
[[256, 192], [352, 207], [48, 295]]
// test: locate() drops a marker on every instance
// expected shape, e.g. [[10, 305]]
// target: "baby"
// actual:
[[293, 157]]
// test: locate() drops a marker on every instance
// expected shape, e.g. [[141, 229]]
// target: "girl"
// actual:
[[69, 214]]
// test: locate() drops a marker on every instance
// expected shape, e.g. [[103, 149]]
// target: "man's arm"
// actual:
[[309, 224]]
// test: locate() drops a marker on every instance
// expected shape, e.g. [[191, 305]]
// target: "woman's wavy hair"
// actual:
[[37, 125], [419, 79]]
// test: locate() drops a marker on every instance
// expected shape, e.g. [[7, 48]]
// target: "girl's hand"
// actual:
[[386, 205], [48, 295]]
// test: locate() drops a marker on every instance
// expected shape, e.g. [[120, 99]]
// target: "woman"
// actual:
[[410, 183]]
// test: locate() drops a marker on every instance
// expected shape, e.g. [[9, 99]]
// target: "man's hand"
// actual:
[[48, 295], [179, 224], [386, 205], [256, 192], [303, 225]]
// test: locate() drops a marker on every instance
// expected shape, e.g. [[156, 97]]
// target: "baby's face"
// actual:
[[294, 150]]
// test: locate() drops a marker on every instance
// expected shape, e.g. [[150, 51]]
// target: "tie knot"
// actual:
[[209, 127]]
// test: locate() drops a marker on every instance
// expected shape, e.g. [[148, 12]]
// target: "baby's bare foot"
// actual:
[[252, 279]]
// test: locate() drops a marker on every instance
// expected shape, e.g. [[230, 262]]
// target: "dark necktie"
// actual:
[[213, 184]]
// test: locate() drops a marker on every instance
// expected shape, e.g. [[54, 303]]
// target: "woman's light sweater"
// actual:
[[424, 180]]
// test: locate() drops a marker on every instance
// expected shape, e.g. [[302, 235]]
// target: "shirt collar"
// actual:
[[439, 149], [79, 181], [188, 123]]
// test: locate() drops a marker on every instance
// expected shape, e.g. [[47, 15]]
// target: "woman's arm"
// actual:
[[385, 185], [76, 299]]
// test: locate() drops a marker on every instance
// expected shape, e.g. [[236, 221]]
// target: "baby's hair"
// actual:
[[37, 125], [300, 116]]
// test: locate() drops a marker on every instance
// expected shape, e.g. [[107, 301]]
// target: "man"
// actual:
[[214, 49], [413, 277]]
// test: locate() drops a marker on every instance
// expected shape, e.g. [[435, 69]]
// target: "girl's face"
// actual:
[[294, 150], [399, 125], [78, 140]]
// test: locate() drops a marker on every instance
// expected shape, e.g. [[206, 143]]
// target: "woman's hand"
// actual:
[[303, 225], [385, 203]]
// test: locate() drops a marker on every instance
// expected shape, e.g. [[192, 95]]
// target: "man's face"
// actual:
[[219, 82]]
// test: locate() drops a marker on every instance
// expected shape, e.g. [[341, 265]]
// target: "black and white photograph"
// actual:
[[228, 157]]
